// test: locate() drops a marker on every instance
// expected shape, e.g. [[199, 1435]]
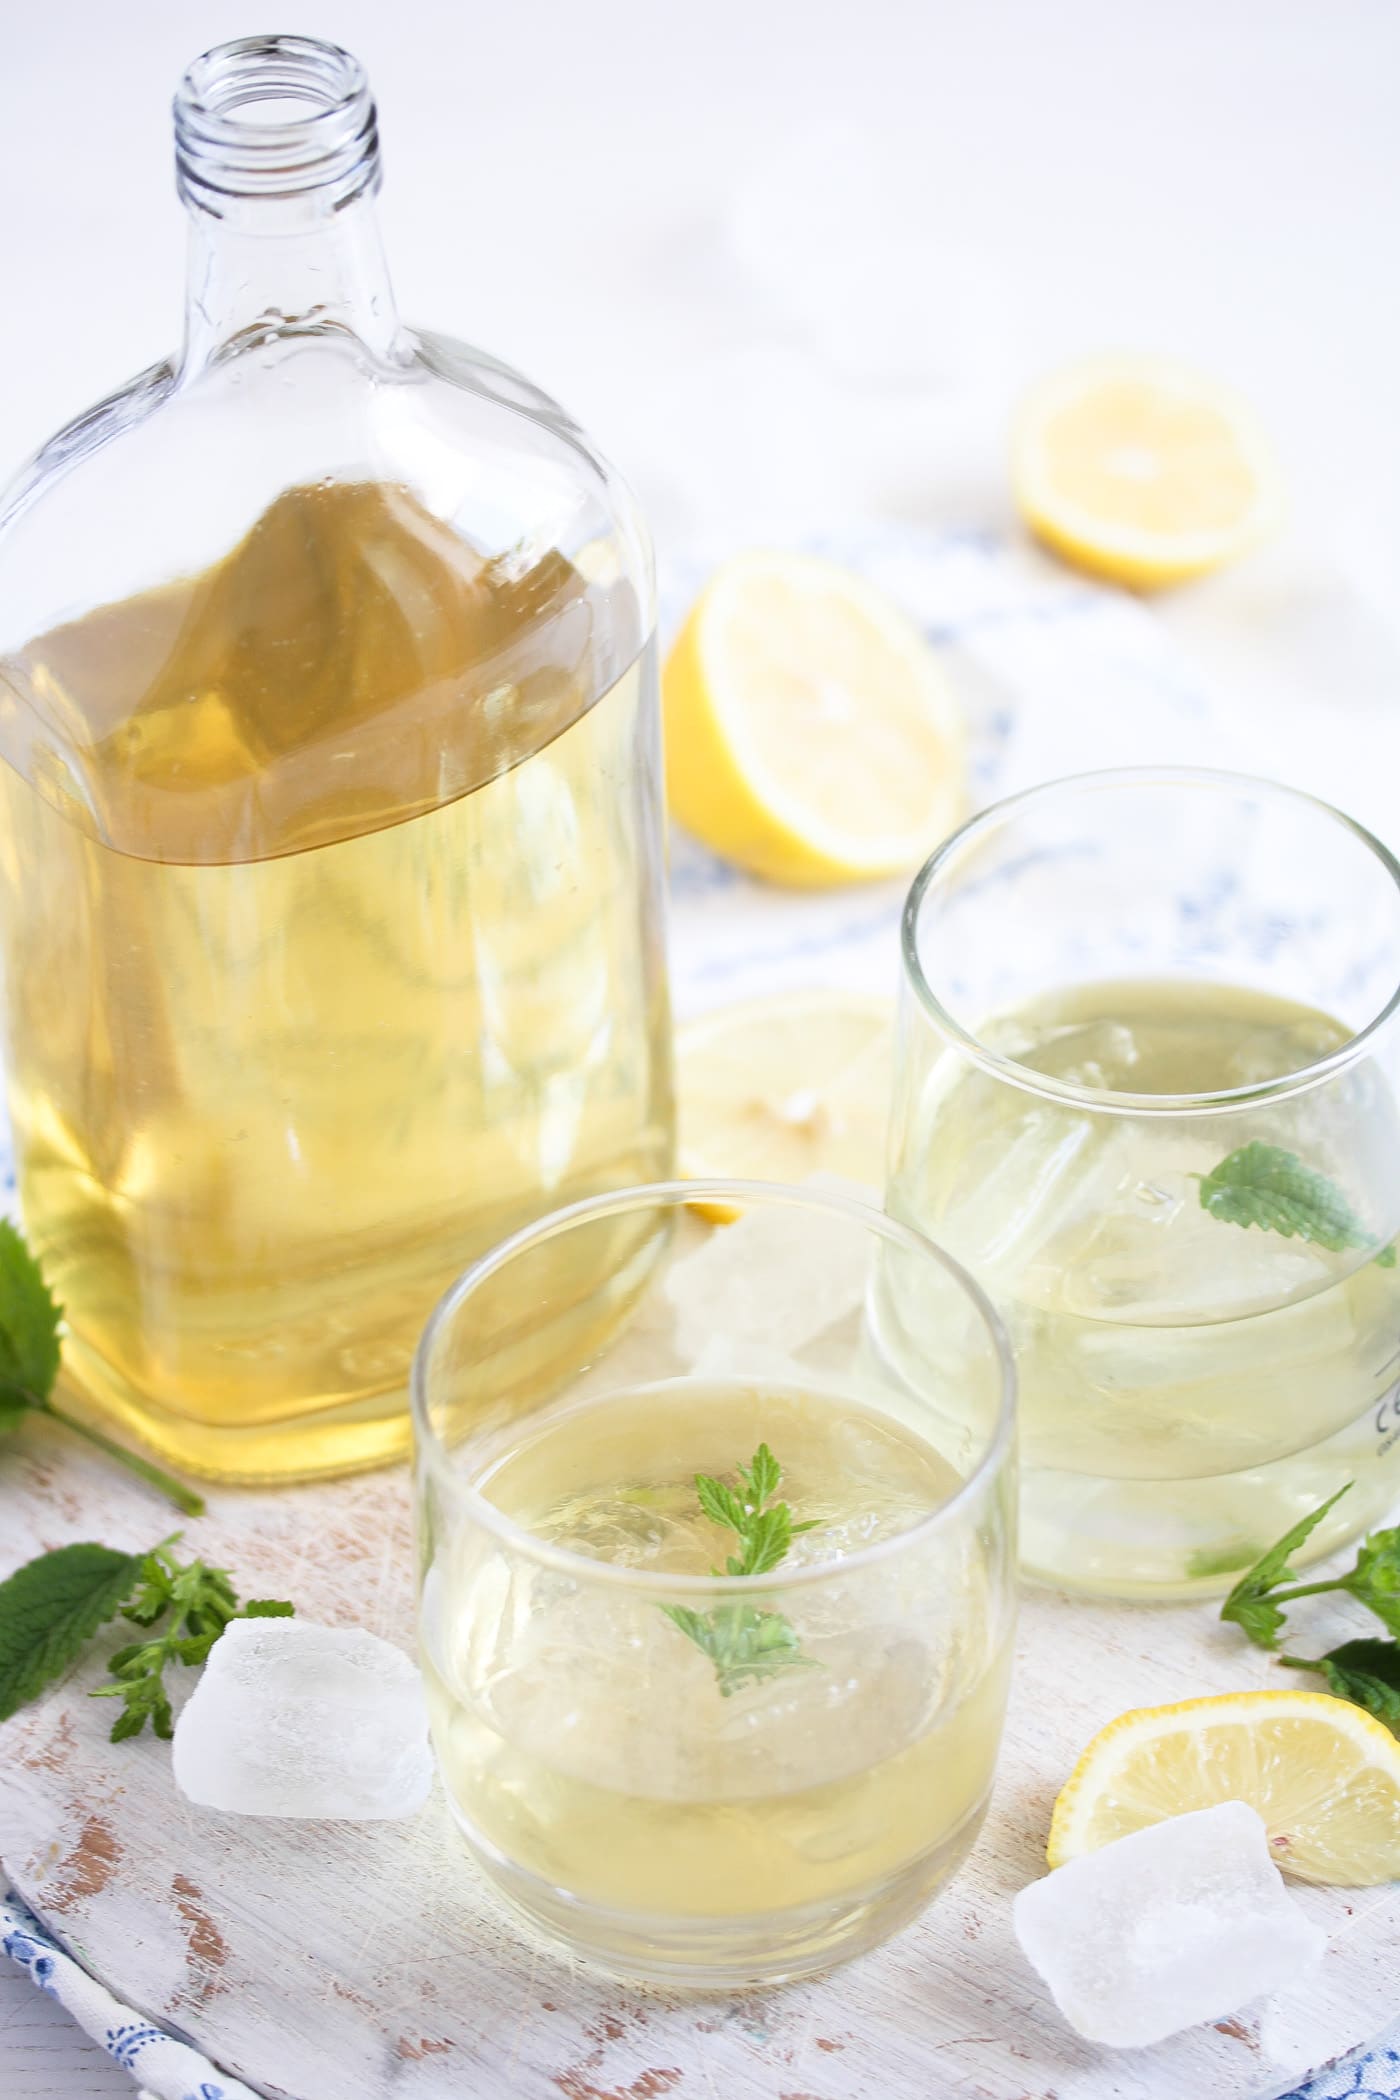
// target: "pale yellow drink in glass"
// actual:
[[1190, 1386], [716, 1601], [606, 1760]]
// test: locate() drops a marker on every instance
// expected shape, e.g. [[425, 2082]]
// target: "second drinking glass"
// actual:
[[1147, 1094]]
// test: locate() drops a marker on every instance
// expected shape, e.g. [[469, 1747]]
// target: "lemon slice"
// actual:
[[809, 733], [1143, 471], [1323, 1775], [780, 1089]]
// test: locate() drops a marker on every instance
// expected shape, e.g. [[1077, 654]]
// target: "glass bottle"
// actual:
[[330, 847]]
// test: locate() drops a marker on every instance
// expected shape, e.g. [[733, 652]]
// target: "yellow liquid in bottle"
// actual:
[[333, 954]]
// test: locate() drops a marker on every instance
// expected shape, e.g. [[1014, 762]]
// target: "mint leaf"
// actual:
[[720, 1503], [1375, 1580], [762, 1477], [1365, 1672], [29, 1323], [1265, 1186], [49, 1608], [1249, 1604]]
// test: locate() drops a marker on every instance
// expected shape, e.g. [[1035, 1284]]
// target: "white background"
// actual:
[[1217, 179]]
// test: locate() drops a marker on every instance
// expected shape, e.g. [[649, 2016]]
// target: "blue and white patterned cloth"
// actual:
[[1368, 2074]]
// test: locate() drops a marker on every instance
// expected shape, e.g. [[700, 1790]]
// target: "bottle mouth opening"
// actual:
[[275, 116]]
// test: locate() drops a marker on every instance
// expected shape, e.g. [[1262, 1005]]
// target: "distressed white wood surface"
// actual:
[[368, 1962]]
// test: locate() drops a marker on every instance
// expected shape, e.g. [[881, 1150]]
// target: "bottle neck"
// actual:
[[250, 281], [277, 161]]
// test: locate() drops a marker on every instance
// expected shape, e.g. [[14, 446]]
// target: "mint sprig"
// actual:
[[1255, 1603], [1366, 1671], [51, 1607], [745, 1642], [198, 1603], [30, 1321]]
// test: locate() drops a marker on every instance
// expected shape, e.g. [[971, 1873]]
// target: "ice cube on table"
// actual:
[[294, 1719], [1182, 1922]]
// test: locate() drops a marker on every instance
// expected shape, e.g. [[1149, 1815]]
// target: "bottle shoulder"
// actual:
[[311, 586], [170, 470]]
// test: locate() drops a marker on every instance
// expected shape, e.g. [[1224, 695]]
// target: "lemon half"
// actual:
[[781, 1089], [1143, 471], [1323, 1775], [810, 735]]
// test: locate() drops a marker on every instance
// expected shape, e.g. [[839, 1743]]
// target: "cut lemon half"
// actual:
[[810, 735], [780, 1089], [1143, 471], [1323, 1775]]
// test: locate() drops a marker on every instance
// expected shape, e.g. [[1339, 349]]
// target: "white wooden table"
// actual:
[[1220, 183]]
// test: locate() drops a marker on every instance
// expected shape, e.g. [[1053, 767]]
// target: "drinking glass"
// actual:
[[1146, 1092], [683, 1771]]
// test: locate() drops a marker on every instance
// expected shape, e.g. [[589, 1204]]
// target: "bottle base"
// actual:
[[350, 1439]]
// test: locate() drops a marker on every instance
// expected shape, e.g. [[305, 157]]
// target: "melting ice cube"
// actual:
[[294, 1719], [1183, 1922]]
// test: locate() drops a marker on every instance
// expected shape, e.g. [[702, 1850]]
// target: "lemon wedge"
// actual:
[[1323, 1775], [780, 1089], [1143, 471], [810, 735]]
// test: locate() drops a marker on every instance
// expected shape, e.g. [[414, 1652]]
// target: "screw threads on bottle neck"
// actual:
[[312, 133]]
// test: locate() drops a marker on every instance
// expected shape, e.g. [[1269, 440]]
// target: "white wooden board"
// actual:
[[368, 1962]]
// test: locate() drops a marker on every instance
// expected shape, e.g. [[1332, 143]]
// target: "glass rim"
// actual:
[[431, 1452], [1107, 1100]]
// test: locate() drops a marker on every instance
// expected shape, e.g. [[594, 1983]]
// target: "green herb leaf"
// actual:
[[29, 1324], [745, 1644], [1375, 1580], [1249, 1603], [1265, 1186], [743, 1641], [12, 1412], [1366, 1672], [720, 1503], [49, 1608], [197, 1602], [1386, 1258], [762, 1477]]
